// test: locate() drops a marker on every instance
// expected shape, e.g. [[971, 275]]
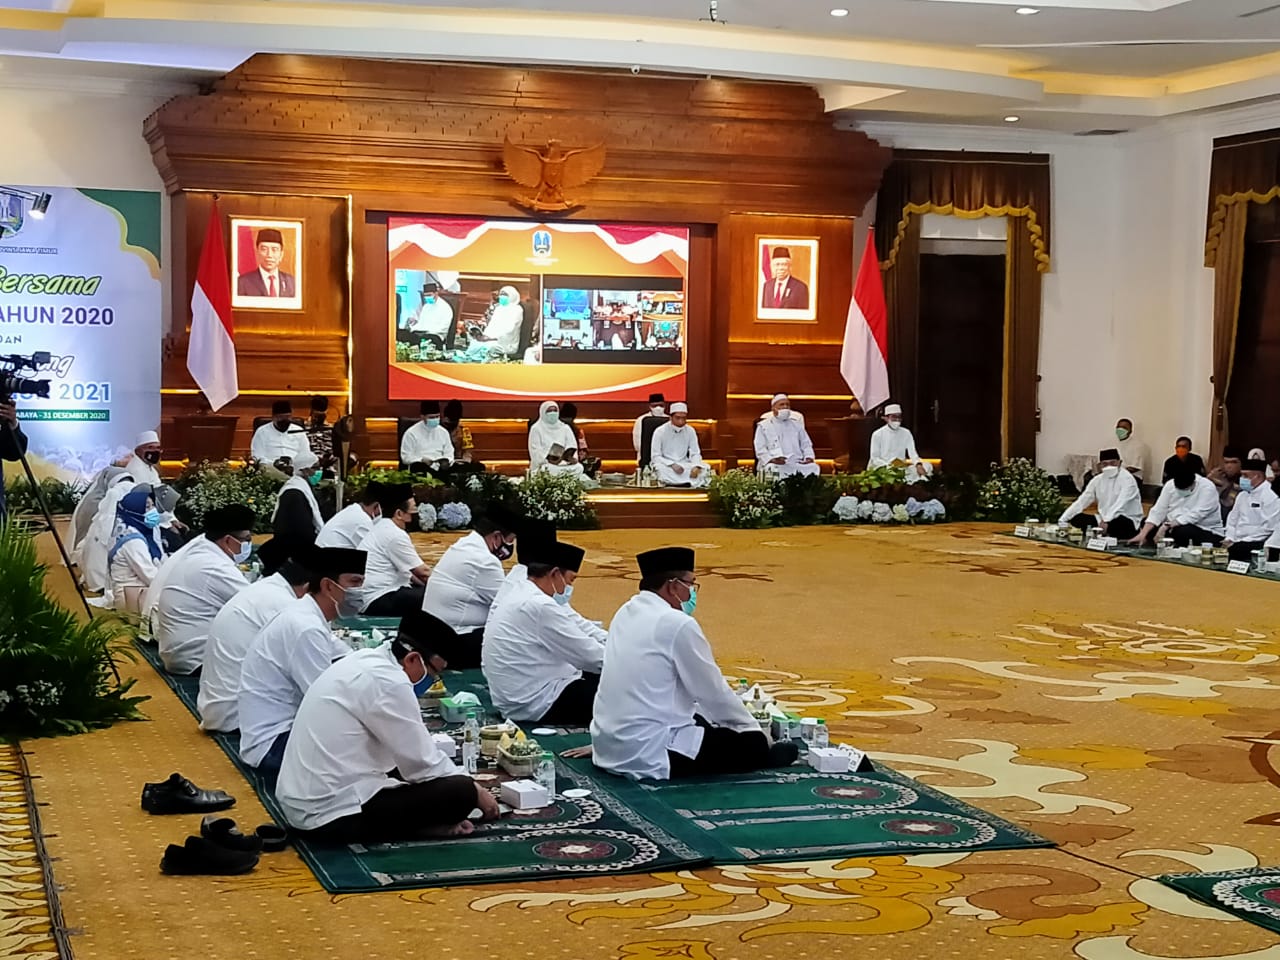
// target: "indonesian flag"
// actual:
[[211, 350], [864, 359]]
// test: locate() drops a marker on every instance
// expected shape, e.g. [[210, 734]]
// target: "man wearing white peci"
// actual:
[[675, 453], [783, 447], [893, 444]]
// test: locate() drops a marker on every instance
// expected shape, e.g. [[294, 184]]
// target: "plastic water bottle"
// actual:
[[744, 689], [546, 775], [821, 738], [470, 743]]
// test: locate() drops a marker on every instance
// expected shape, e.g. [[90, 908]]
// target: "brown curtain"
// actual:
[[902, 302], [1228, 276], [1022, 342]]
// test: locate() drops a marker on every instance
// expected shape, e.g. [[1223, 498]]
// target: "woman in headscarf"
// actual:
[[503, 328], [102, 534], [545, 436], [133, 560], [87, 508]]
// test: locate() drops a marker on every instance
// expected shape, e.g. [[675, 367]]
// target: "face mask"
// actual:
[[433, 422], [551, 416], [1122, 433], [429, 299], [1181, 454], [1246, 484], [315, 477], [784, 414], [246, 548], [423, 684], [504, 551], [151, 518], [895, 425], [347, 607], [151, 456], [690, 605], [503, 300], [563, 598], [658, 411], [1185, 493], [1110, 471], [283, 427]]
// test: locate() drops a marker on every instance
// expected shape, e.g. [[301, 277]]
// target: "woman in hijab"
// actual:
[[550, 443], [503, 328], [102, 534], [87, 508], [133, 560]]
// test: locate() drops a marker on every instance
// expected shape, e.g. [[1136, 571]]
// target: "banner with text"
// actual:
[[80, 281]]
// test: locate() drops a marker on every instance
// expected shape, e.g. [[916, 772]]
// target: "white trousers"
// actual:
[[669, 478]]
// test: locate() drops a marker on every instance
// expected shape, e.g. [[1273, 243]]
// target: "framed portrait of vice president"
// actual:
[[266, 264], [787, 278]]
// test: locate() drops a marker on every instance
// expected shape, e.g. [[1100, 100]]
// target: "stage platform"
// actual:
[[650, 507]]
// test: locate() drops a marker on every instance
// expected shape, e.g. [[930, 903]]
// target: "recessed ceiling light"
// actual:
[[1027, 11], [839, 12], [1012, 119]]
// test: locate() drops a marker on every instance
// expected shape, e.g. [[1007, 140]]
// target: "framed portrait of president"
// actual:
[[266, 264], [787, 278]]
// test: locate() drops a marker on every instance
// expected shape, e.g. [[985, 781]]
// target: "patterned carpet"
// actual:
[[1126, 709]]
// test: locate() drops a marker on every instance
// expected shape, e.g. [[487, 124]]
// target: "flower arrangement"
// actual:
[[426, 517], [206, 486], [55, 669], [455, 516], [558, 498], [60, 495], [746, 500], [355, 484], [1018, 490]]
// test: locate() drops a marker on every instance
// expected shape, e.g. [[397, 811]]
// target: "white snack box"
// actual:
[[524, 794], [445, 744], [829, 759]]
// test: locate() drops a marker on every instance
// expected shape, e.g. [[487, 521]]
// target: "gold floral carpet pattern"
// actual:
[[26, 929], [1126, 709]]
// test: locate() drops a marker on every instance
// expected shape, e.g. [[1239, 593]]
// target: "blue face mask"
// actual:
[[242, 555], [433, 422], [151, 518], [551, 416], [422, 686], [690, 605], [1246, 484], [503, 300], [429, 299], [563, 598]]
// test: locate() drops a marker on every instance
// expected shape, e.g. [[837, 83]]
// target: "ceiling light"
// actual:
[[1012, 119], [1027, 11], [839, 12]]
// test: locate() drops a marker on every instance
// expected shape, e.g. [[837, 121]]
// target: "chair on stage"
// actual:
[[207, 437], [647, 426]]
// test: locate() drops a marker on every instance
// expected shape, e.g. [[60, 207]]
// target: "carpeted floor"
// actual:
[[1126, 709]]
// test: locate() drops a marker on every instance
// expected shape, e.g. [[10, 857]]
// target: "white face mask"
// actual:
[[784, 413], [1110, 471], [895, 424], [657, 410], [246, 548]]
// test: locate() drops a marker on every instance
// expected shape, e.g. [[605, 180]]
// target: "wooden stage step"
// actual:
[[648, 508]]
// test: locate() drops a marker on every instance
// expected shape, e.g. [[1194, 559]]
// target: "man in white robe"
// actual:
[[676, 455], [893, 444], [664, 709], [349, 526], [291, 651], [1187, 510], [426, 441], [783, 447], [1118, 499], [197, 583], [281, 437], [142, 466], [1135, 454], [435, 317]]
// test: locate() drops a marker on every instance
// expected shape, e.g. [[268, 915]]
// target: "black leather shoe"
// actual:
[[223, 832], [783, 753], [201, 856], [274, 837], [180, 795]]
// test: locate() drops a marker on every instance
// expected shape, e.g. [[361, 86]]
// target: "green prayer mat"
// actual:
[[1252, 894], [797, 813], [1140, 553], [589, 837]]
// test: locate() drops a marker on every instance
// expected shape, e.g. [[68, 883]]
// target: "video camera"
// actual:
[[10, 381]]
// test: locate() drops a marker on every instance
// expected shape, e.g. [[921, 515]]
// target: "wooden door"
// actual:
[[1253, 418], [961, 360]]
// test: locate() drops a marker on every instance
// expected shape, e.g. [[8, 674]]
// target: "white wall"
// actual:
[[1127, 320]]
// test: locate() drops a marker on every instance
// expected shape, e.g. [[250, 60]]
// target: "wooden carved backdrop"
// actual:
[[302, 137]]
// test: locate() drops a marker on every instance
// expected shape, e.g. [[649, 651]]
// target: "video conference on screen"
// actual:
[[512, 308]]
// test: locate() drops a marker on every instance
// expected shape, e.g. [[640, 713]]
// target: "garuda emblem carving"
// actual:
[[550, 171]]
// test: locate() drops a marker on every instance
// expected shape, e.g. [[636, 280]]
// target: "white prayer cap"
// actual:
[[147, 436], [1257, 454], [778, 398], [678, 408], [305, 460], [893, 408]]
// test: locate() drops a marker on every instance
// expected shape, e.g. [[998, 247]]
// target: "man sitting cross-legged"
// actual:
[[663, 708], [1255, 517], [396, 577], [1116, 493], [361, 767], [540, 663], [1186, 510]]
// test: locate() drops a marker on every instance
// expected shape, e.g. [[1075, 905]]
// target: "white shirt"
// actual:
[[637, 431], [201, 582], [131, 572], [1116, 496], [782, 438], [433, 318], [672, 444], [230, 636], [346, 528], [143, 472], [658, 672], [390, 558], [1255, 517], [269, 444], [424, 444], [359, 720], [888, 445], [167, 566], [1136, 454], [303, 488], [520, 574], [464, 584], [284, 659], [1200, 508], [532, 650]]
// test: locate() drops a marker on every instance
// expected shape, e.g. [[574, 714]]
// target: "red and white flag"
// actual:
[[211, 351], [864, 361]]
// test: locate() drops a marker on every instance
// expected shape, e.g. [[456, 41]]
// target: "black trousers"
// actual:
[[1122, 528], [576, 704], [722, 751], [1244, 551], [403, 813], [397, 603], [461, 651], [1189, 535]]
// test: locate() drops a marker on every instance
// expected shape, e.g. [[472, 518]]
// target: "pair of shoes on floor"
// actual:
[[222, 849], [180, 795]]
